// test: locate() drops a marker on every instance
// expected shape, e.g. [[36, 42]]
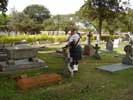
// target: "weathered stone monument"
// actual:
[[96, 55], [127, 37], [128, 59], [109, 45], [20, 57], [88, 49]]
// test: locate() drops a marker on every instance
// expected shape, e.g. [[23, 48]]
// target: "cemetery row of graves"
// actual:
[[92, 82]]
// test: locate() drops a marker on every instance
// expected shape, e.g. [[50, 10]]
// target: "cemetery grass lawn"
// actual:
[[88, 84]]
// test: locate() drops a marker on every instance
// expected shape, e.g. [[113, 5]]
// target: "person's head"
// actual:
[[73, 31]]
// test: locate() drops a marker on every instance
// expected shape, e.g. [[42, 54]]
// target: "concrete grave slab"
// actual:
[[20, 57], [115, 67]]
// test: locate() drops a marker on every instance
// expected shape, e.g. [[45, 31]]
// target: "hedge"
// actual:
[[59, 38]]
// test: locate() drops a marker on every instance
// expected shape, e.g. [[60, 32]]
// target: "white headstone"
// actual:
[[98, 38], [116, 43]]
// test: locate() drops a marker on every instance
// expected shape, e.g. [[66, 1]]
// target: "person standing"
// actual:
[[75, 49]]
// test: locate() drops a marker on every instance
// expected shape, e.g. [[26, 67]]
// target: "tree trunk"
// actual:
[[100, 26]]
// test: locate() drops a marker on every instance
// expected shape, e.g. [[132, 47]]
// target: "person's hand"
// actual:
[[65, 47]]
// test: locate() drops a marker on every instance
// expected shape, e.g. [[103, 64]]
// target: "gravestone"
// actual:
[[116, 43], [127, 37], [89, 35], [89, 49], [109, 45], [97, 38], [127, 61], [20, 57], [96, 55]]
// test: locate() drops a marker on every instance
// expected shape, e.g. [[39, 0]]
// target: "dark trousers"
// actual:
[[75, 54]]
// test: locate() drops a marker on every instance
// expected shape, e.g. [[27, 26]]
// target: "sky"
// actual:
[[54, 6]]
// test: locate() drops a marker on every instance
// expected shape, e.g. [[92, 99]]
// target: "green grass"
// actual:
[[88, 84]]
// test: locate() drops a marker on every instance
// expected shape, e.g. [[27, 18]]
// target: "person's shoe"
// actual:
[[75, 68]]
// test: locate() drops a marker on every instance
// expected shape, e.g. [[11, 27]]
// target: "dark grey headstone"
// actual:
[[128, 59], [127, 37], [96, 55], [109, 45]]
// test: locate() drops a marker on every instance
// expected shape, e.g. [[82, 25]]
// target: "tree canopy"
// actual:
[[3, 5], [100, 10], [37, 12]]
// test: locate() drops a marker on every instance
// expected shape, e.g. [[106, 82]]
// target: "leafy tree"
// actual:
[[59, 21], [3, 5], [123, 23], [15, 22], [4, 22], [100, 10], [130, 20], [37, 12], [20, 22], [65, 21], [49, 25]]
